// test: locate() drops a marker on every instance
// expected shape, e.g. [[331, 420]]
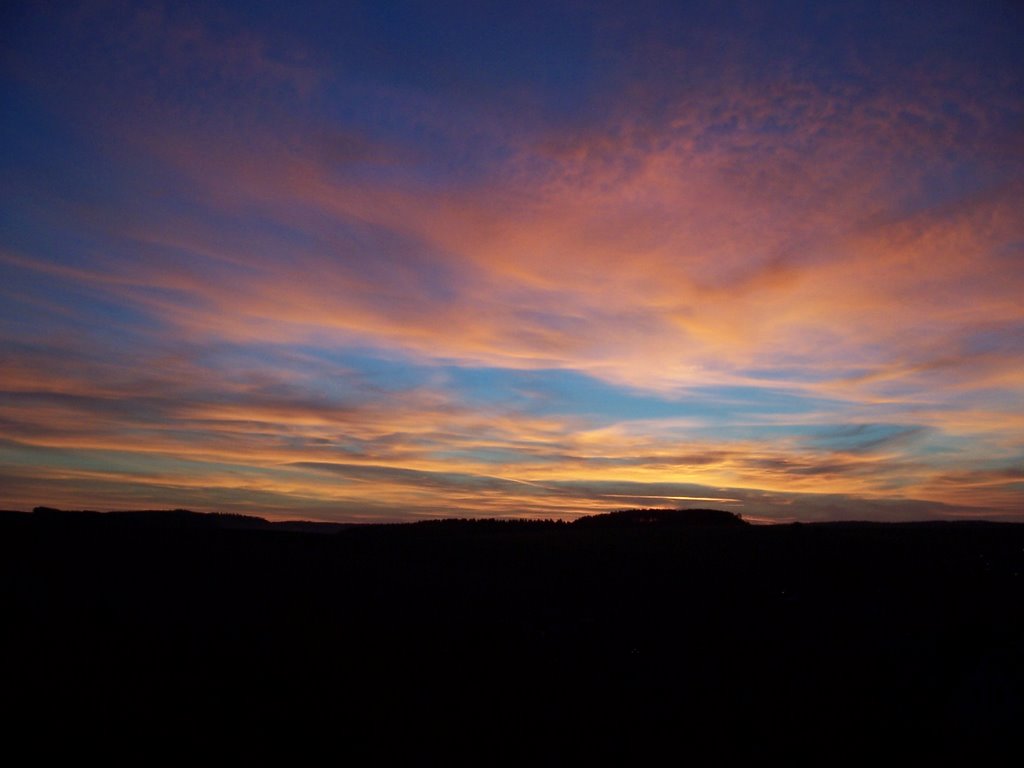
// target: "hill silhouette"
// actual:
[[184, 518], [662, 518], [177, 518], [616, 633]]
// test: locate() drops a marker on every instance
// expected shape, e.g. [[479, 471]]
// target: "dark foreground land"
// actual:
[[615, 637]]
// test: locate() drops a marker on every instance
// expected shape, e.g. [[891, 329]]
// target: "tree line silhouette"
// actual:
[[690, 629]]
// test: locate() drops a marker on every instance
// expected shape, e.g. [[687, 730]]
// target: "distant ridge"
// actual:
[[186, 519], [180, 519], [663, 518]]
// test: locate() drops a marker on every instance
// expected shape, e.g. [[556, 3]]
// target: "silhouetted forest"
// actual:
[[616, 634]]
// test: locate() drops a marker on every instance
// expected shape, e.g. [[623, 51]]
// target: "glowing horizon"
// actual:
[[391, 262]]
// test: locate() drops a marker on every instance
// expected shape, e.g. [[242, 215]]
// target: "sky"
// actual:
[[397, 260]]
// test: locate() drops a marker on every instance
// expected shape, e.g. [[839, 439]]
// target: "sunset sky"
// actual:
[[386, 261]]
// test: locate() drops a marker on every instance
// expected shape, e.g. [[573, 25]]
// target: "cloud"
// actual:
[[816, 277]]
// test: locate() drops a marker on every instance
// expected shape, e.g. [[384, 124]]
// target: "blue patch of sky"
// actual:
[[363, 367], [785, 375], [45, 162], [550, 392], [1004, 339], [497, 456], [559, 392], [390, 65], [475, 50], [37, 140], [49, 308], [855, 437], [749, 401]]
